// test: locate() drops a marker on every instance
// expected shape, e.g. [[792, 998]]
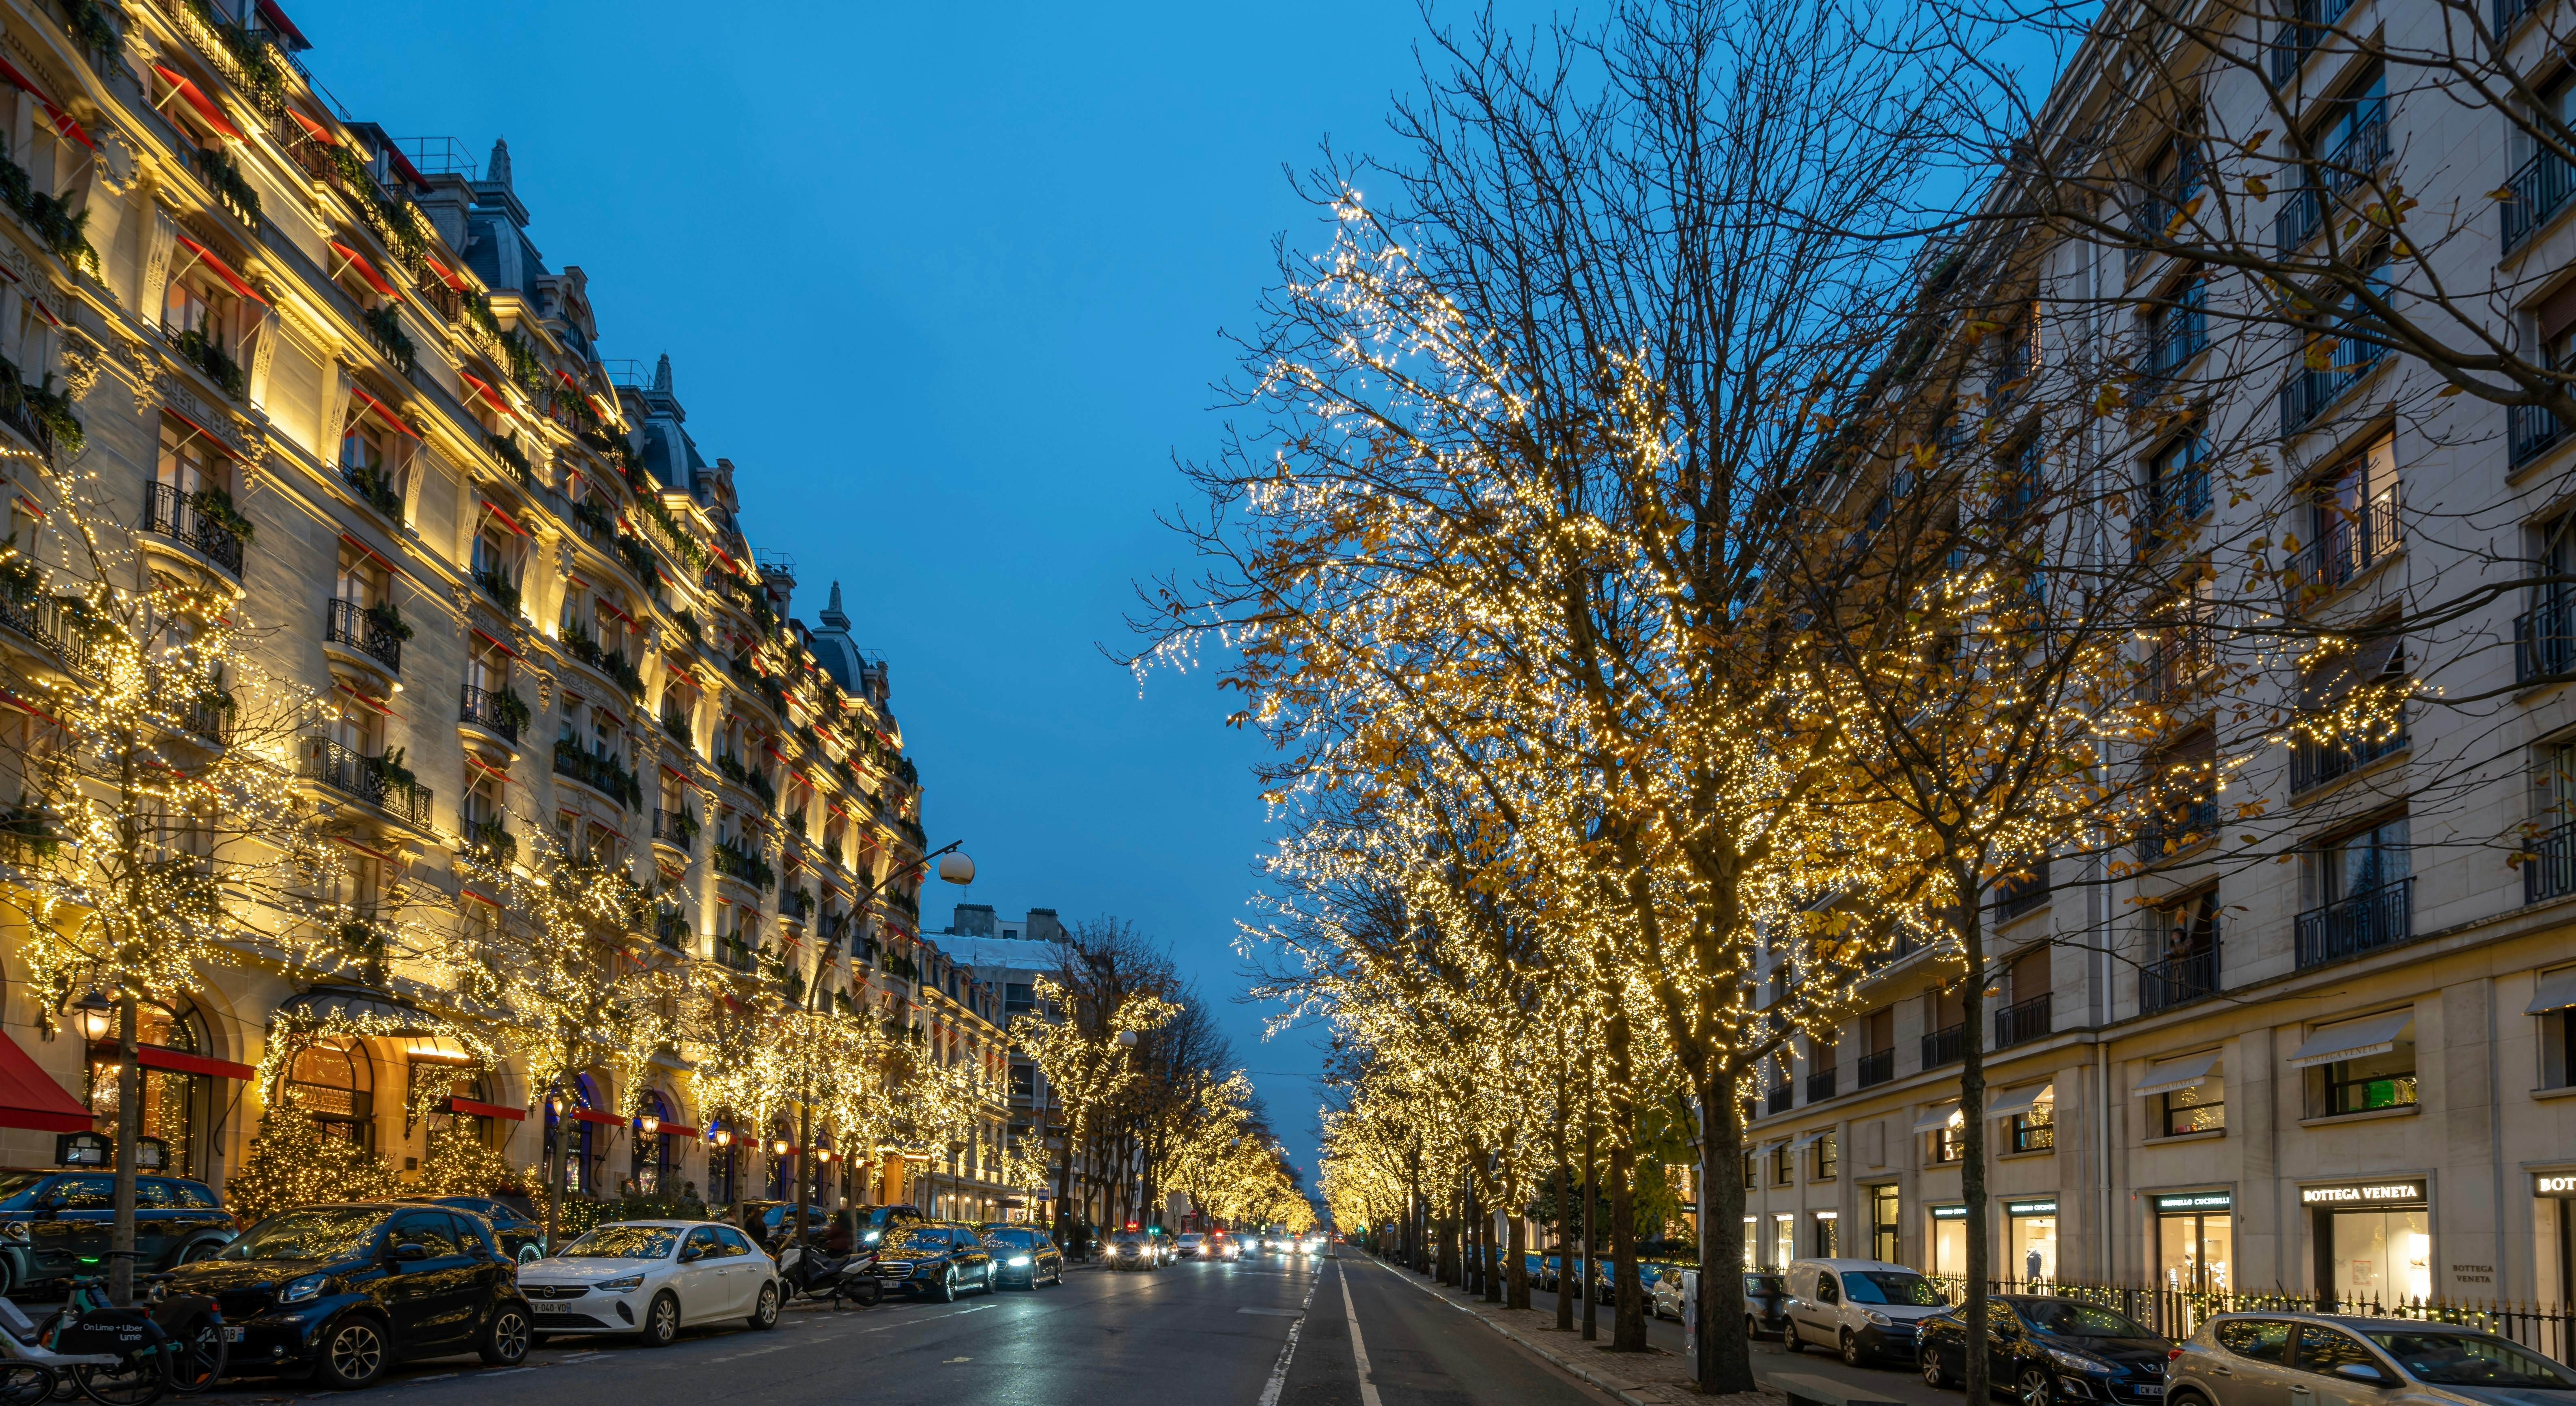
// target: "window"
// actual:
[[1949, 1141], [2177, 484], [2036, 1130], [1783, 1168], [2359, 864], [430, 1230], [2202, 1108], [2177, 328], [2377, 1072], [2323, 1349], [1828, 1156], [2256, 1339], [331, 1081]]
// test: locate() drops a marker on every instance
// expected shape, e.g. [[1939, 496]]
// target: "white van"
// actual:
[[1863, 1309]]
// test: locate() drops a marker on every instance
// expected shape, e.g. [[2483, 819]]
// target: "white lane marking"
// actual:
[[1359, 1350], [1287, 1352]]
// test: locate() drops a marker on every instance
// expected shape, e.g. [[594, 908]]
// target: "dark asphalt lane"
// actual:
[[1420, 1351]]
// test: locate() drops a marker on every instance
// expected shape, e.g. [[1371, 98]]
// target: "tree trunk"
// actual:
[[1724, 1358], [1628, 1330], [1591, 1232], [1972, 1150], [129, 1136], [1564, 1252], [1516, 1245]]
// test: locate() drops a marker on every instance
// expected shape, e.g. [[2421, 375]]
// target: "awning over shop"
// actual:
[[2175, 1075], [1937, 1118], [2557, 992], [471, 1108], [196, 98], [2354, 1039], [593, 1115], [29, 1097], [1807, 1140], [178, 1061], [2017, 1101]]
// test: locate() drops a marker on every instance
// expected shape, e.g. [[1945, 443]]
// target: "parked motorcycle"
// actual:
[[810, 1273]]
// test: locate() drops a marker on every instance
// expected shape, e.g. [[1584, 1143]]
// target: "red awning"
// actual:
[[484, 389], [388, 416], [486, 1110], [29, 1097], [222, 270], [197, 99], [680, 1130], [446, 275], [496, 644], [319, 132], [278, 21], [211, 437], [179, 1061], [506, 520], [593, 1115], [365, 270], [63, 122]]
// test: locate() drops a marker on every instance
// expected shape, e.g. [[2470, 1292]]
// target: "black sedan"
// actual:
[[54, 1225], [1130, 1249], [522, 1237], [2047, 1350], [1023, 1255], [345, 1291], [934, 1260]]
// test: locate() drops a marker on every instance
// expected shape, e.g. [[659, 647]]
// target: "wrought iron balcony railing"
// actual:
[[494, 709], [2366, 921], [2178, 979], [1820, 1084], [2314, 762], [2550, 871], [2022, 1021], [175, 515], [1875, 1068], [369, 779], [352, 626], [2343, 550], [1947, 1045]]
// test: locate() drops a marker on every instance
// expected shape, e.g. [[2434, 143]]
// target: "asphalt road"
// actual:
[[1186, 1334]]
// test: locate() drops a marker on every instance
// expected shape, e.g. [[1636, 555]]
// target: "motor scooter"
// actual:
[[813, 1274]]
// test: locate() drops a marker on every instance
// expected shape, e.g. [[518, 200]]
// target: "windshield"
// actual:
[[11, 1183], [1018, 1238], [624, 1242], [323, 1233], [1127, 1237], [1763, 1284], [1885, 1286], [2473, 1359], [2067, 1318], [924, 1238]]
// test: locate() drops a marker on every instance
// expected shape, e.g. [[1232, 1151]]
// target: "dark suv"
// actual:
[[346, 1291], [56, 1224]]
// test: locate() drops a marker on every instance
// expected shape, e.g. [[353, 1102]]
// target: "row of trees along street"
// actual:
[[1683, 537]]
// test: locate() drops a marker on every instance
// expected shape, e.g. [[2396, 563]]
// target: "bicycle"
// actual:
[[114, 1357]]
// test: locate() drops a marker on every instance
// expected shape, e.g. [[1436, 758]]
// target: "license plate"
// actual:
[[2156, 1390], [232, 1333], [547, 1309]]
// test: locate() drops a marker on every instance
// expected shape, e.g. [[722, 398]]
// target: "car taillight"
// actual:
[[2172, 1353]]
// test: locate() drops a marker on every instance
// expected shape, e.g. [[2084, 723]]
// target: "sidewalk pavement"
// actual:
[[1653, 1377]]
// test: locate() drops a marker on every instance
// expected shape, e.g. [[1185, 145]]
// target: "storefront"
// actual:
[[1949, 1242], [1826, 1236], [1784, 1239], [2554, 1206], [2195, 1241], [2373, 1239], [1884, 1225], [2030, 1240]]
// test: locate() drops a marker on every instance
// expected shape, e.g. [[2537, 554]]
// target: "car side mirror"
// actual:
[[411, 1252], [692, 1254], [2362, 1372]]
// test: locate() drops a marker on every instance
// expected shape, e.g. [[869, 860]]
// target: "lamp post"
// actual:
[[97, 1016]]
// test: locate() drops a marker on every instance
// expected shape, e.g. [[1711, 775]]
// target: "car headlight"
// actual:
[[874, 1236], [2078, 1362], [14, 1230], [620, 1285], [1019, 1261], [1876, 1317], [297, 1291]]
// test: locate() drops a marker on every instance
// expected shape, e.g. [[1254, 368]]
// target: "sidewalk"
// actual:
[[1650, 1378]]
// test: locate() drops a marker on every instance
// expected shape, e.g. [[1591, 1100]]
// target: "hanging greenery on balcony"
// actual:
[[200, 351], [385, 618], [375, 487], [215, 505], [53, 221], [384, 328]]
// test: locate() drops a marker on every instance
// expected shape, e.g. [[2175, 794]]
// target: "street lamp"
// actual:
[[724, 1137], [96, 1016], [651, 1124]]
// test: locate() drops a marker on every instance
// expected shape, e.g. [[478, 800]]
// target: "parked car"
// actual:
[[1191, 1246], [875, 1221], [1766, 1300], [344, 1291], [1023, 1255], [1863, 1309], [934, 1259], [2246, 1359], [56, 1224], [767, 1221], [652, 1278], [2045, 1349], [1129, 1249], [522, 1236]]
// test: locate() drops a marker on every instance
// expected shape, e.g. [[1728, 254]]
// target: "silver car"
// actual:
[[2320, 1359]]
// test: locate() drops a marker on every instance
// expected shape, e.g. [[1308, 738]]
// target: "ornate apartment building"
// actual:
[[343, 382], [2346, 1067]]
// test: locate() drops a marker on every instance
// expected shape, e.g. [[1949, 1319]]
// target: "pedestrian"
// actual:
[[692, 1207]]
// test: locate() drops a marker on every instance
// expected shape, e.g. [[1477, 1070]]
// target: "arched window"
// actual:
[[656, 1163], [576, 1136], [177, 1108], [332, 1080]]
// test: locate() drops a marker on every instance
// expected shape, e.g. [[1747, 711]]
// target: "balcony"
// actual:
[[601, 773], [487, 840], [2355, 156], [497, 711], [2309, 392], [2173, 504], [1820, 1084], [2540, 190], [232, 190], [2016, 895], [2530, 431], [674, 828], [359, 630], [202, 352], [2367, 921], [2314, 761], [370, 779], [671, 929], [2172, 670], [737, 955], [2178, 980], [736, 863], [2178, 826], [1948, 1045], [2549, 871], [52, 624], [375, 488], [2176, 336], [182, 518], [2300, 33], [2022, 1021], [2348, 546], [1780, 1097], [2544, 641], [498, 588]]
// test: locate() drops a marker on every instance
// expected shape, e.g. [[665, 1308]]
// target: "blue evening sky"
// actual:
[[945, 284]]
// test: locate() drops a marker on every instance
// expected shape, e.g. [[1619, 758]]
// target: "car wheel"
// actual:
[[1934, 1374], [505, 1338], [947, 1290], [1790, 1341], [764, 1314], [202, 1250], [1852, 1355], [529, 1254], [661, 1320], [2034, 1387], [353, 1354]]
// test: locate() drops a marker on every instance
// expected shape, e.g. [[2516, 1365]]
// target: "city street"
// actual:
[[1190, 1332]]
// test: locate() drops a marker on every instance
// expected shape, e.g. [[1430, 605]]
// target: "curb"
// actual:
[[1609, 1385]]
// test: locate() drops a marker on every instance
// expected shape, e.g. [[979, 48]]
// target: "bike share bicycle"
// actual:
[[113, 1356]]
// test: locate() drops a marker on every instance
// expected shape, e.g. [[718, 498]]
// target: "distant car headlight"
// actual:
[[299, 1290], [1019, 1261], [2078, 1362], [620, 1285], [1874, 1316]]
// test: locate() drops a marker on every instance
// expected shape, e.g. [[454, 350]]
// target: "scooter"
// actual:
[[815, 1275]]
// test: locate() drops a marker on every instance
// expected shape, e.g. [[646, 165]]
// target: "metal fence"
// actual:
[[2177, 1313]]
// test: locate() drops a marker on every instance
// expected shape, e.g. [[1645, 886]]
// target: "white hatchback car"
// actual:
[[652, 1278]]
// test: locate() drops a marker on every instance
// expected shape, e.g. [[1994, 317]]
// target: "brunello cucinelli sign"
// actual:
[[2394, 1191], [2553, 1183]]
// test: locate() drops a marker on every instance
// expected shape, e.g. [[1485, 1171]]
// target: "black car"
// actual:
[[1132, 1249], [934, 1259], [1023, 1255], [56, 1224], [875, 1221], [345, 1291], [2046, 1350], [522, 1236]]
